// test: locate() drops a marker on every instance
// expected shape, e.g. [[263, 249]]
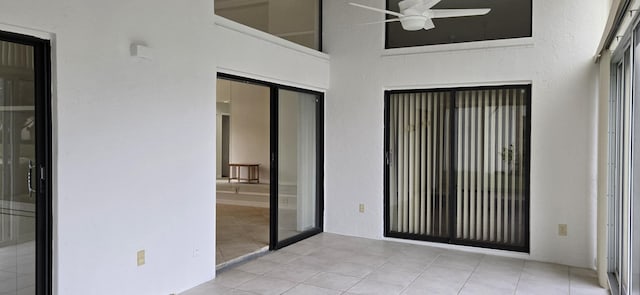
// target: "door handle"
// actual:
[[29, 179]]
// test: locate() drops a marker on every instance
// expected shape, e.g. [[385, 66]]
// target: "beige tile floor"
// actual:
[[240, 230], [334, 264], [17, 269]]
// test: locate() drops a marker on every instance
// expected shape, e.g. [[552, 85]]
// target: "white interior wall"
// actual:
[[249, 127], [255, 15], [223, 106], [294, 20], [133, 137], [222, 109], [288, 116], [249, 109], [558, 61]]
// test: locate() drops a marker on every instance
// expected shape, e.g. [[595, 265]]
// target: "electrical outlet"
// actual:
[[196, 252], [141, 258], [562, 230], [361, 208]]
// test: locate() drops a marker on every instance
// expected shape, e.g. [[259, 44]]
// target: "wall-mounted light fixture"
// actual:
[[141, 51]]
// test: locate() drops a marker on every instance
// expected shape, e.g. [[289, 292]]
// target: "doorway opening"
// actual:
[[243, 160], [269, 182]]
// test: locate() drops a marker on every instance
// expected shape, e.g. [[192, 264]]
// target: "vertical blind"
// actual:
[[16, 55], [420, 125], [458, 166]]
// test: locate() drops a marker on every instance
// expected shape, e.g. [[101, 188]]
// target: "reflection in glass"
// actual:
[[296, 163], [295, 20], [507, 19], [458, 166], [17, 156]]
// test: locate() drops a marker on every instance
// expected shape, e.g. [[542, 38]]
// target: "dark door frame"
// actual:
[[42, 80], [451, 239], [274, 244], [225, 144]]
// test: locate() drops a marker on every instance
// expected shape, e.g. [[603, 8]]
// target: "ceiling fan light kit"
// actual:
[[416, 15], [413, 22]]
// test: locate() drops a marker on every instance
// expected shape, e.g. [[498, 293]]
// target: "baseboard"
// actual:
[[243, 203]]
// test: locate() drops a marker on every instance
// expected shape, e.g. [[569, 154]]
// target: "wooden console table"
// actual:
[[253, 172]]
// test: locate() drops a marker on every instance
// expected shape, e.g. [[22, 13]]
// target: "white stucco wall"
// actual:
[[253, 54], [135, 139], [132, 136], [559, 63]]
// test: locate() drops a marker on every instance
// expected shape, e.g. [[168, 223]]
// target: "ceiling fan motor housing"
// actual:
[[413, 22], [416, 15]]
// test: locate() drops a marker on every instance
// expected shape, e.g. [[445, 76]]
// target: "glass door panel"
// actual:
[[17, 176], [457, 166], [298, 165]]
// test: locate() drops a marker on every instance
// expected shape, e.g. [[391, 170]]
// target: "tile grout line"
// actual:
[[569, 277], [423, 271], [385, 259], [519, 277], [470, 275], [329, 272], [359, 281]]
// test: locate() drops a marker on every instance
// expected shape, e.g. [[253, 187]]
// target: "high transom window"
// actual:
[[507, 19], [294, 20], [457, 166]]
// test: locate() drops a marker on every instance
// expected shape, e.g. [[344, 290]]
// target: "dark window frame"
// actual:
[[387, 35], [320, 25], [274, 243], [44, 207], [453, 170]]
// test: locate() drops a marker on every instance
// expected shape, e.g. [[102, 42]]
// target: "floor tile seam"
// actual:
[[354, 285], [295, 284], [471, 274], [569, 276], [332, 273], [420, 274], [515, 291], [236, 289]]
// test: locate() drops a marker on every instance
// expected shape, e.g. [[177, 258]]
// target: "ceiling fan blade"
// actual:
[[444, 13], [428, 25], [382, 22], [430, 3], [378, 9], [418, 5], [406, 4]]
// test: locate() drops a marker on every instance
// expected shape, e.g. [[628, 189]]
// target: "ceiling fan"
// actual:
[[415, 15]]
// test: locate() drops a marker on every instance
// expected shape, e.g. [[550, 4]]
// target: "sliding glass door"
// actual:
[[623, 194], [419, 164], [457, 166], [295, 158], [491, 169], [619, 174], [24, 154], [299, 157]]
